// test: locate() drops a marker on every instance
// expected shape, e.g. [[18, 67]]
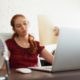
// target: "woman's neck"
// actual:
[[22, 38], [22, 41]]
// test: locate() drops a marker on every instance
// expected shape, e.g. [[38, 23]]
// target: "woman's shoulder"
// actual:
[[9, 41], [38, 43]]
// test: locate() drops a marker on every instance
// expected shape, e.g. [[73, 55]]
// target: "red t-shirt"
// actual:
[[22, 57]]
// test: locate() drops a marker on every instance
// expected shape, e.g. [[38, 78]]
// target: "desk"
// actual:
[[37, 75]]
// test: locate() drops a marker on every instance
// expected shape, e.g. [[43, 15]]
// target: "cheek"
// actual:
[[16, 30], [27, 28]]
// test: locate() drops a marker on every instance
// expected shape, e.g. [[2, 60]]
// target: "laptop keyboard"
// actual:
[[46, 68]]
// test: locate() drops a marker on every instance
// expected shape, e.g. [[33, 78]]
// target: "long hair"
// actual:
[[33, 45]]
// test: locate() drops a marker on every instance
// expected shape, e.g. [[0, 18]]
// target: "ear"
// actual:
[[13, 29]]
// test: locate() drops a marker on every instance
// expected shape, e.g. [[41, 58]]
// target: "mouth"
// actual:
[[24, 31]]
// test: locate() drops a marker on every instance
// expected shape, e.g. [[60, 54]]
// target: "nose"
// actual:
[[23, 27]]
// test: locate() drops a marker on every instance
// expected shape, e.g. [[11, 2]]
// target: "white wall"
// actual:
[[60, 12], [8, 8], [65, 13]]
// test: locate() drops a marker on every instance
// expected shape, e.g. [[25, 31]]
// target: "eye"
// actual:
[[25, 23], [18, 26]]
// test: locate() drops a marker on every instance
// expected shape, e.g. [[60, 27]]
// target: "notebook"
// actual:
[[67, 53]]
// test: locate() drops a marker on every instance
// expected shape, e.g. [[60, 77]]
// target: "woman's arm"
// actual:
[[47, 56]]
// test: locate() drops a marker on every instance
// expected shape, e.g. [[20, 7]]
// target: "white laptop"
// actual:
[[67, 53]]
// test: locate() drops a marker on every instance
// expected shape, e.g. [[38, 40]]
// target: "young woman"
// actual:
[[22, 46]]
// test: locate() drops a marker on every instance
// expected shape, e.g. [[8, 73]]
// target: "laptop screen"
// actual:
[[67, 54]]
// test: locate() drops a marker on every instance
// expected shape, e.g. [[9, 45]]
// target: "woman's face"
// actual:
[[21, 26]]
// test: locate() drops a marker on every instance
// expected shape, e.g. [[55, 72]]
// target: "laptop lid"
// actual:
[[67, 54]]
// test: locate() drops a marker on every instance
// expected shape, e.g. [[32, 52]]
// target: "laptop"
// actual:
[[67, 53]]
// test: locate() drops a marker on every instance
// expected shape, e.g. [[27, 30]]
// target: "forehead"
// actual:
[[20, 18]]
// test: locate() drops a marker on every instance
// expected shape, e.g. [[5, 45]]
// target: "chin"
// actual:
[[24, 34]]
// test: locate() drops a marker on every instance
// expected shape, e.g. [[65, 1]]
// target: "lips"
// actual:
[[24, 31]]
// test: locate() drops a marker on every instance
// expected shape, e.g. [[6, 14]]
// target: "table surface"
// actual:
[[38, 75]]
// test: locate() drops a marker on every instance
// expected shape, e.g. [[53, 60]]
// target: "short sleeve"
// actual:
[[9, 44], [40, 47]]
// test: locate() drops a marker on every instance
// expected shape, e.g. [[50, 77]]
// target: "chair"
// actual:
[[3, 37]]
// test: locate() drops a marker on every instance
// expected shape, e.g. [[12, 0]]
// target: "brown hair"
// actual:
[[33, 46]]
